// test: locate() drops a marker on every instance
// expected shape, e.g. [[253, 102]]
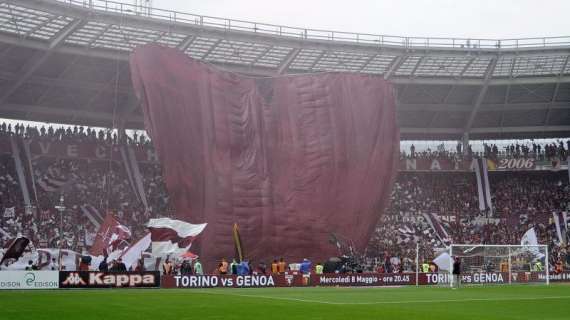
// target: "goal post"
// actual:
[[500, 264]]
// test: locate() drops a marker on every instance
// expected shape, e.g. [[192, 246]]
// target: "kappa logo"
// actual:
[[121, 280], [73, 279]]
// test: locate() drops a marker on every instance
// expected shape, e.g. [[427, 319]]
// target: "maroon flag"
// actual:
[[110, 236], [16, 249]]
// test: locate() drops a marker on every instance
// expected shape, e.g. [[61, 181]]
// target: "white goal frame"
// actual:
[[509, 247]]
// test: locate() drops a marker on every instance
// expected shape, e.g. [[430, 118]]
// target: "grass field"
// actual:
[[480, 303]]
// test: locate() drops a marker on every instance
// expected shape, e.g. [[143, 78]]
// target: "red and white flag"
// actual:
[[132, 255], [111, 235], [172, 236]]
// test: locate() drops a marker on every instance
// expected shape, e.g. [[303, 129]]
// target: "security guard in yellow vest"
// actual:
[[425, 267], [319, 268]]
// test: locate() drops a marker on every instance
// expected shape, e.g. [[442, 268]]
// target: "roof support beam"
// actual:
[[497, 107], [555, 92], [291, 56], [261, 55], [417, 66], [396, 63], [131, 106], [367, 62], [314, 64], [491, 130], [466, 67], [211, 49], [64, 83], [186, 43], [39, 59], [480, 82], [481, 96], [505, 103], [65, 112]]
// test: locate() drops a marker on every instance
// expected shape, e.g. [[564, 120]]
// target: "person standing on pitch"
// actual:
[[456, 273], [198, 268]]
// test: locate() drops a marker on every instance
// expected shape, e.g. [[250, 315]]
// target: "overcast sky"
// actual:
[[445, 18]]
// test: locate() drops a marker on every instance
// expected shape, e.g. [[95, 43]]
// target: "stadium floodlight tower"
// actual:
[[500, 264]]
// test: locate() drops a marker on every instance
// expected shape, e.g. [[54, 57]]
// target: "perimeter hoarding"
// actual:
[[27, 280], [231, 281], [349, 280], [286, 280], [93, 279], [364, 279]]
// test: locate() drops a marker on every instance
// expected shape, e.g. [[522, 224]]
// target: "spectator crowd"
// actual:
[[521, 200], [549, 151]]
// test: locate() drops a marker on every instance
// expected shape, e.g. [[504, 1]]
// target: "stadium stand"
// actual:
[[75, 58], [93, 187]]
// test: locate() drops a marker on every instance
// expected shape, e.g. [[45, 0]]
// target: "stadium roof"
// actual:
[[66, 61]]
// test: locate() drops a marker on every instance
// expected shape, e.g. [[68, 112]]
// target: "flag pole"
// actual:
[[60, 207]]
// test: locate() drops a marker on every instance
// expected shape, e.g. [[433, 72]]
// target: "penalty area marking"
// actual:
[[385, 302]]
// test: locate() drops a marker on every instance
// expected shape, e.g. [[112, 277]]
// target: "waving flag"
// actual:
[[530, 239], [110, 236], [134, 252], [437, 227], [561, 224], [15, 249], [170, 236]]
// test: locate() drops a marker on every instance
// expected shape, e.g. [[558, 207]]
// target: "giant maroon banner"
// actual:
[[290, 159]]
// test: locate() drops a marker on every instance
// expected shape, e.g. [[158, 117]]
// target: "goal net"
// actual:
[[500, 264]]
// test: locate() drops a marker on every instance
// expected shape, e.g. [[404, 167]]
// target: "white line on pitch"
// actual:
[[386, 302]]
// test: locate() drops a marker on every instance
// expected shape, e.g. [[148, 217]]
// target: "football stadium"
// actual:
[[156, 163]]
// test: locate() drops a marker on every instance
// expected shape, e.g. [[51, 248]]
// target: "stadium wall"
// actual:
[[33, 280]]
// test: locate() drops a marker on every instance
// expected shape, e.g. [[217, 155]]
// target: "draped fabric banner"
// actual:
[[483, 187], [291, 159], [20, 170]]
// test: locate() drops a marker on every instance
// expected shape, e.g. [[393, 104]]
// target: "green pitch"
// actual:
[[425, 303]]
